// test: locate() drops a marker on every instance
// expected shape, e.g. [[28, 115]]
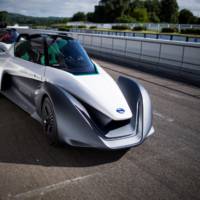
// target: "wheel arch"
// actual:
[[45, 91], [72, 125]]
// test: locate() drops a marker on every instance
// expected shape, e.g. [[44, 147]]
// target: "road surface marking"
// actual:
[[43, 190], [163, 117]]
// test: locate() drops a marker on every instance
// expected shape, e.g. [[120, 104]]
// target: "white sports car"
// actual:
[[51, 77]]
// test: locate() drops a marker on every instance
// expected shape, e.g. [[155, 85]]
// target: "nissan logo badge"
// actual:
[[120, 110]]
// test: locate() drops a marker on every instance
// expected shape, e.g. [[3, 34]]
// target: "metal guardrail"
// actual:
[[163, 36], [149, 26]]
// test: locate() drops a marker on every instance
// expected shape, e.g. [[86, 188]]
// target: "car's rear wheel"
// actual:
[[49, 122]]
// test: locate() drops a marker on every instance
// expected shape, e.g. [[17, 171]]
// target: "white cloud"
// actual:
[[64, 8], [193, 5]]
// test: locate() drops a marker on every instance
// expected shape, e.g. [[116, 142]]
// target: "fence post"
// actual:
[[112, 44], [160, 49], [91, 41], [141, 50], [125, 49], [158, 28], [182, 60], [101, 41], [179, 28]]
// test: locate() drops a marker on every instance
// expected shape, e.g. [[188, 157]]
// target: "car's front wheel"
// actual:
[[49, 122]]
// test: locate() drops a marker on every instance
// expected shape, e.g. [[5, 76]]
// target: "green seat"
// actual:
[[42, 60], [22, 51], [53, 52], [25, 56]]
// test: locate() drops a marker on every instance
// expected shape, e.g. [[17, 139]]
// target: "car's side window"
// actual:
[[53, 52], [37, 50], [22, 49], [31, 50]]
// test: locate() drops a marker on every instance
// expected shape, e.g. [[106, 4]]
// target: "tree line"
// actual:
[[13, 18], [113, 11], [130, 11]]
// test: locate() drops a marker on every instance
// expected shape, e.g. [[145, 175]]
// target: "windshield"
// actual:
[[69, 55]]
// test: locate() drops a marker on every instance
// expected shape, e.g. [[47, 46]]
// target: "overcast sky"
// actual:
[[66, 8]]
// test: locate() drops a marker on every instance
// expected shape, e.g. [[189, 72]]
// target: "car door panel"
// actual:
[[27, 76]]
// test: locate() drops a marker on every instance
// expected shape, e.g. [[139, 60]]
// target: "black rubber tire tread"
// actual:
[[49, 122]]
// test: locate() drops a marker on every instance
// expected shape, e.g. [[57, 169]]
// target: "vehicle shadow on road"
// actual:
[[22, 142]]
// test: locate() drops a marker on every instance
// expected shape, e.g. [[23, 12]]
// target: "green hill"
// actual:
[[14, 18]]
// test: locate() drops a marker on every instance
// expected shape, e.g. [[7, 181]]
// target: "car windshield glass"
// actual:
[[69, 55]]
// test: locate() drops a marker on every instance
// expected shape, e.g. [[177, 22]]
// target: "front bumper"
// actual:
[[126, 142], [81, 132]]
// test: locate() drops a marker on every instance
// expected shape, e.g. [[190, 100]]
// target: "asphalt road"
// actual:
[[166, 166]]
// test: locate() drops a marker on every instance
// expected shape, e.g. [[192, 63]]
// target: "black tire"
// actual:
[[49, 122]]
